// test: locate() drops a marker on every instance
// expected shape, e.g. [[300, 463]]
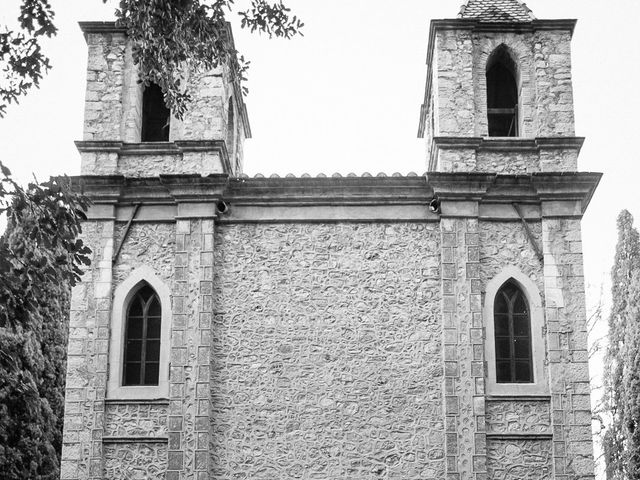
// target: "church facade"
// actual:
[[396, 327]]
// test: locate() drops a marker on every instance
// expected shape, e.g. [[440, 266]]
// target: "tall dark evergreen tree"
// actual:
[[40, 258], [622, 362]]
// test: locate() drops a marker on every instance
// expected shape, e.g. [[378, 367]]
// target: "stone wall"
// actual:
[[103, 112], [327, 352], [496, 156], [462, 327], [453, 84], [543, 59], [553, 98], [340, 350], [87, 360], [567, 345]]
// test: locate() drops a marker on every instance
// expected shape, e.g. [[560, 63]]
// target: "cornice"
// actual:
[[397, 191], [474, 25], [510, 144], [100, 27]]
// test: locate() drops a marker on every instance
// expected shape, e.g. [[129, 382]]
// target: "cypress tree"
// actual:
[[40, 259], [32, 369], [621, 440]]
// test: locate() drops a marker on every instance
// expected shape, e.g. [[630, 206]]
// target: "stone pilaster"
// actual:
[[87, 360], [189, 391], [463, 350], [567, 349]]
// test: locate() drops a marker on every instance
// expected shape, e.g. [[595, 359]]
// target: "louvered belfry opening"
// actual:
[[142, 339], [512, 327], [502, 94], [155, 115]]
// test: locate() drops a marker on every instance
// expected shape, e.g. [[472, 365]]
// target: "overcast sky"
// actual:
[[346, 97]]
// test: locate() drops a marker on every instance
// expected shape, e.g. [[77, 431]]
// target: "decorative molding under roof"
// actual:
[[337, 193]]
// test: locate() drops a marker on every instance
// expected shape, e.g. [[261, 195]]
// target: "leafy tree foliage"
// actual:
[[40, 258], [166, 36], [22, 62], [622, 365]]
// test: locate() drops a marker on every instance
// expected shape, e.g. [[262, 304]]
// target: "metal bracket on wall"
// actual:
[[527, 229], [124, 235]]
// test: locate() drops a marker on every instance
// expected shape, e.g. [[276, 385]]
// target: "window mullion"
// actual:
[[143, 354], [512, 346]]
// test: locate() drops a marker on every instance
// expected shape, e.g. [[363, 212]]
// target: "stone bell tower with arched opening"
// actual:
[[410, 327], [499, 100]]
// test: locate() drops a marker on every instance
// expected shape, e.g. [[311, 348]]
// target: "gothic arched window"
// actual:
[[512, 329], [142, 339], [502, 94], [155, 115]]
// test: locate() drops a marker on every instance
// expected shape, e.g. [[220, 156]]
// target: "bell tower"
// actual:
[[499, 93], [129, 131], [501, 154]]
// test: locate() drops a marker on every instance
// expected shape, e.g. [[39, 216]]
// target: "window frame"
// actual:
[[123, 295], [144, 338], [540, 384], [145, 122], [511, 337], [511, 64]]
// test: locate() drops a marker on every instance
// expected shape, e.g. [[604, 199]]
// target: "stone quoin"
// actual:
[[418, 327]]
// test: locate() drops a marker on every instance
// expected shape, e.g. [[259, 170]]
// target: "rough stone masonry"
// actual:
[[336, 327]]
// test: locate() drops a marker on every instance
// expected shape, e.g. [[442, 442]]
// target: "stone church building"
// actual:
[[419, 327]]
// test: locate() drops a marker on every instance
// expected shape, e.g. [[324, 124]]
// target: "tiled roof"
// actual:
[[496, 11]]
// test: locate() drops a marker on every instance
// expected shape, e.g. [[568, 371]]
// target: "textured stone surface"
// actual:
[[553, 98], [105, 80], [543, 74], [505, 162], [567, 343], [135, 420], [113, 111], [87, 359], [464, 382], [506, 243], [458, 103], [327, 352], [519, 459], [135, 461], [141, 165], [190, 374], [453, 86], [519, 416], [146, 244]]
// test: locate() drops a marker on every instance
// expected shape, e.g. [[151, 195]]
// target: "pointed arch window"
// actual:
[[502, 94], [512, 329], [155, 115], [142, 339]]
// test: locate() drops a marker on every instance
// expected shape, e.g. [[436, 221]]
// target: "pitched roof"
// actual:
[[496, 11]]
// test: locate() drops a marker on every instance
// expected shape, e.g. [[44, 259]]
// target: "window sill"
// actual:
[[517, 389], [137, 393]]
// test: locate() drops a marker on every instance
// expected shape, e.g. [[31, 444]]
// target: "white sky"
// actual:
[[346, 97]]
